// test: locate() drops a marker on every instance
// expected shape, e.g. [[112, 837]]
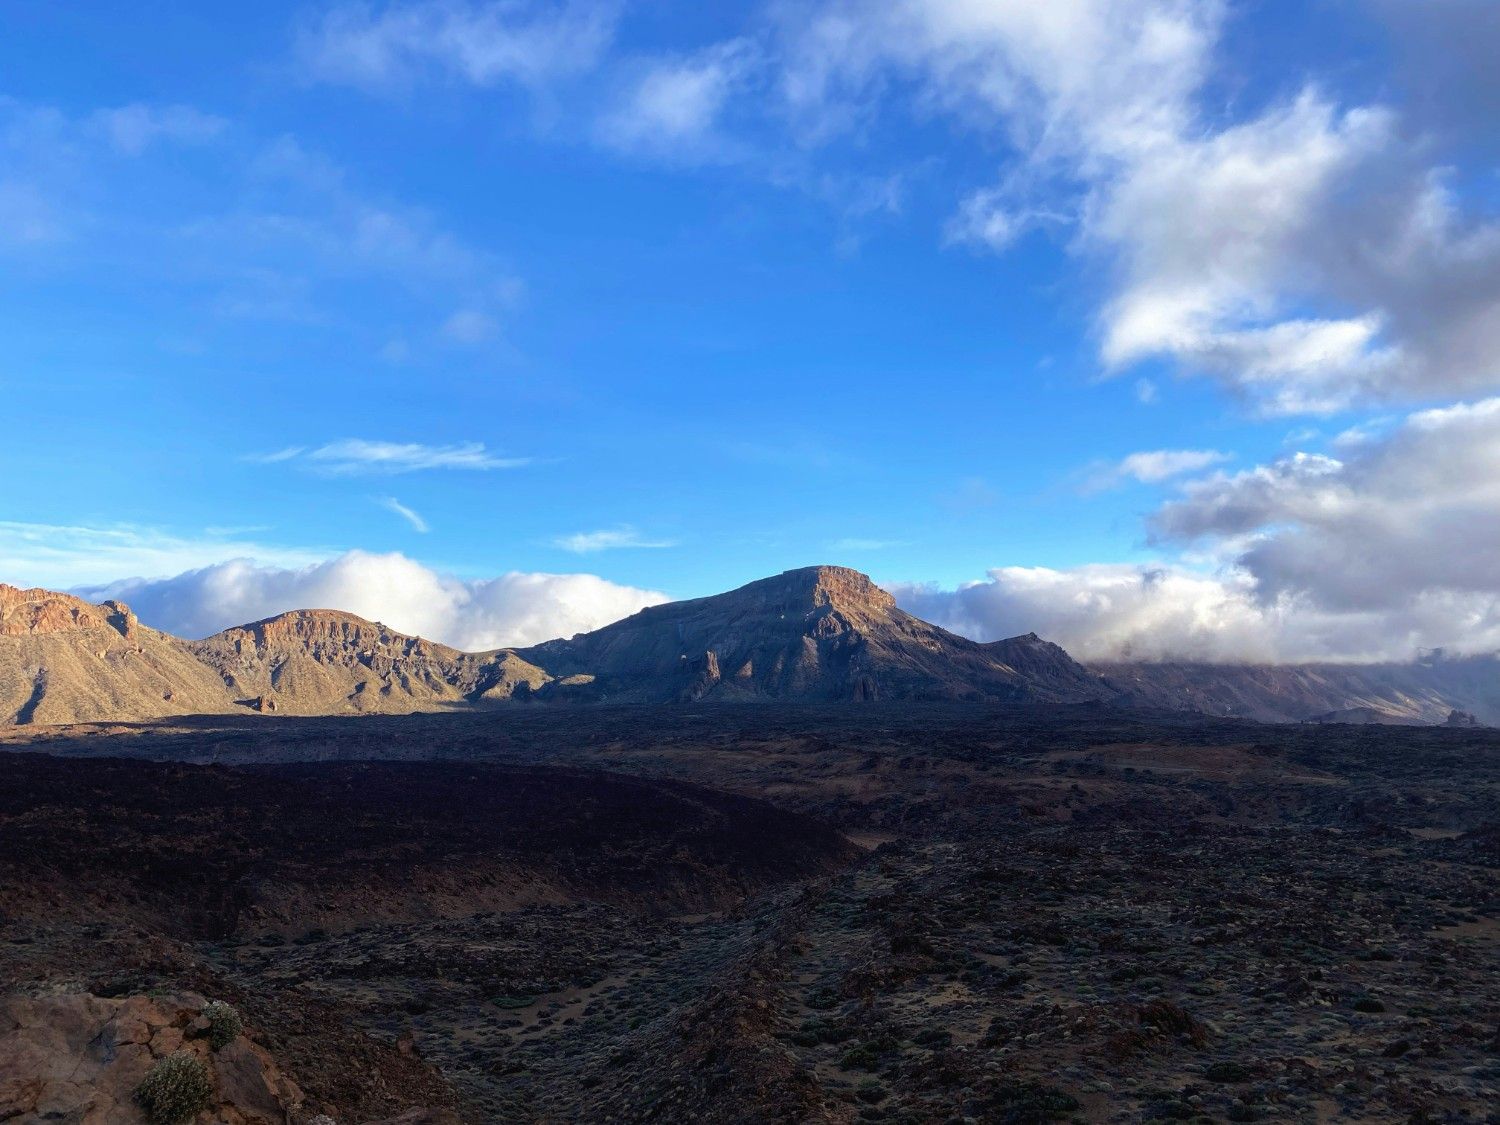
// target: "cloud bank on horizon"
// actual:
[[506, 611], [1266, 249]]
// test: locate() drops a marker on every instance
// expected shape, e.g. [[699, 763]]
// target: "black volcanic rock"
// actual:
[[818, 633]]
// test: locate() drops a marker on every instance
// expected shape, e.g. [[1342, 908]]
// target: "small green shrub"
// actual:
[[224, 1024], [175, 1090]]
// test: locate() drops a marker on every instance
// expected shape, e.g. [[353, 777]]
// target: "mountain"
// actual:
[[1420, 692], [319, 662], [818, 633], [64, 660], [822, 633]]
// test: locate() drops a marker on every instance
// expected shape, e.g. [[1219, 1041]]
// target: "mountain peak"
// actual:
[[836, 586]]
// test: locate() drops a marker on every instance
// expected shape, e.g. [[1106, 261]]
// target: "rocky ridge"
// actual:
[[815, 634]]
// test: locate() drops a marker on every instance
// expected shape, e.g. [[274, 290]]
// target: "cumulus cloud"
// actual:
[[1153, 467], [354, 456], [1109, 612], [608, 539], [509, 610], [1124, 611], [1383, 552], [481, 43], [1413, 513], [1307, 255]]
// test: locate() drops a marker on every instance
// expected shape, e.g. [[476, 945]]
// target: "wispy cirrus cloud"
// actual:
[[483, 43], [391, 504], [1151, 467], [132, 129], [671, 108], [61, 556], [355, 456], [609, 539], [266, 229]]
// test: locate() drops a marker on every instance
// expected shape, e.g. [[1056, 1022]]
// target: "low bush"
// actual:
[[175, 1090], [224, 1024]]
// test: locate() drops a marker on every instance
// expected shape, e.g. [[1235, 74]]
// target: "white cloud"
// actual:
[[610, 539], [358, 455], [510, 610], [391, 504], [60, 556], [672, 109], [483, 43], [1410, 515], [1307, 255], [1381, 553], [1152, 467], [267, 229], [131, 129], [1109, 612], [470, 326], [26, 218]]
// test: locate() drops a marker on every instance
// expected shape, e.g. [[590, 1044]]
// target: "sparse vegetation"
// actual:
[[175, 1090], [224, 1024]]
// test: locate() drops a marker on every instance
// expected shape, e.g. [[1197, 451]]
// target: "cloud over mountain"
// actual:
[[1381, 553], [476, 614]]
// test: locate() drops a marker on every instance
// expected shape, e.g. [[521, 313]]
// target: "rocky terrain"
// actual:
[[898, 912], [1422, 692], [820, 633], [64, 660], [812, 635]]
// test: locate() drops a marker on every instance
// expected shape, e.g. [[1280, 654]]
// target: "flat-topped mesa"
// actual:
[[836, 586]]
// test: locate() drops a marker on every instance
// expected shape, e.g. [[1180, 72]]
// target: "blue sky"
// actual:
[[1029, 301]]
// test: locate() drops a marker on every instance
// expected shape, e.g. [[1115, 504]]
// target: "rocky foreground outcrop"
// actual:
[[83, 1059], [80, 1058]]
